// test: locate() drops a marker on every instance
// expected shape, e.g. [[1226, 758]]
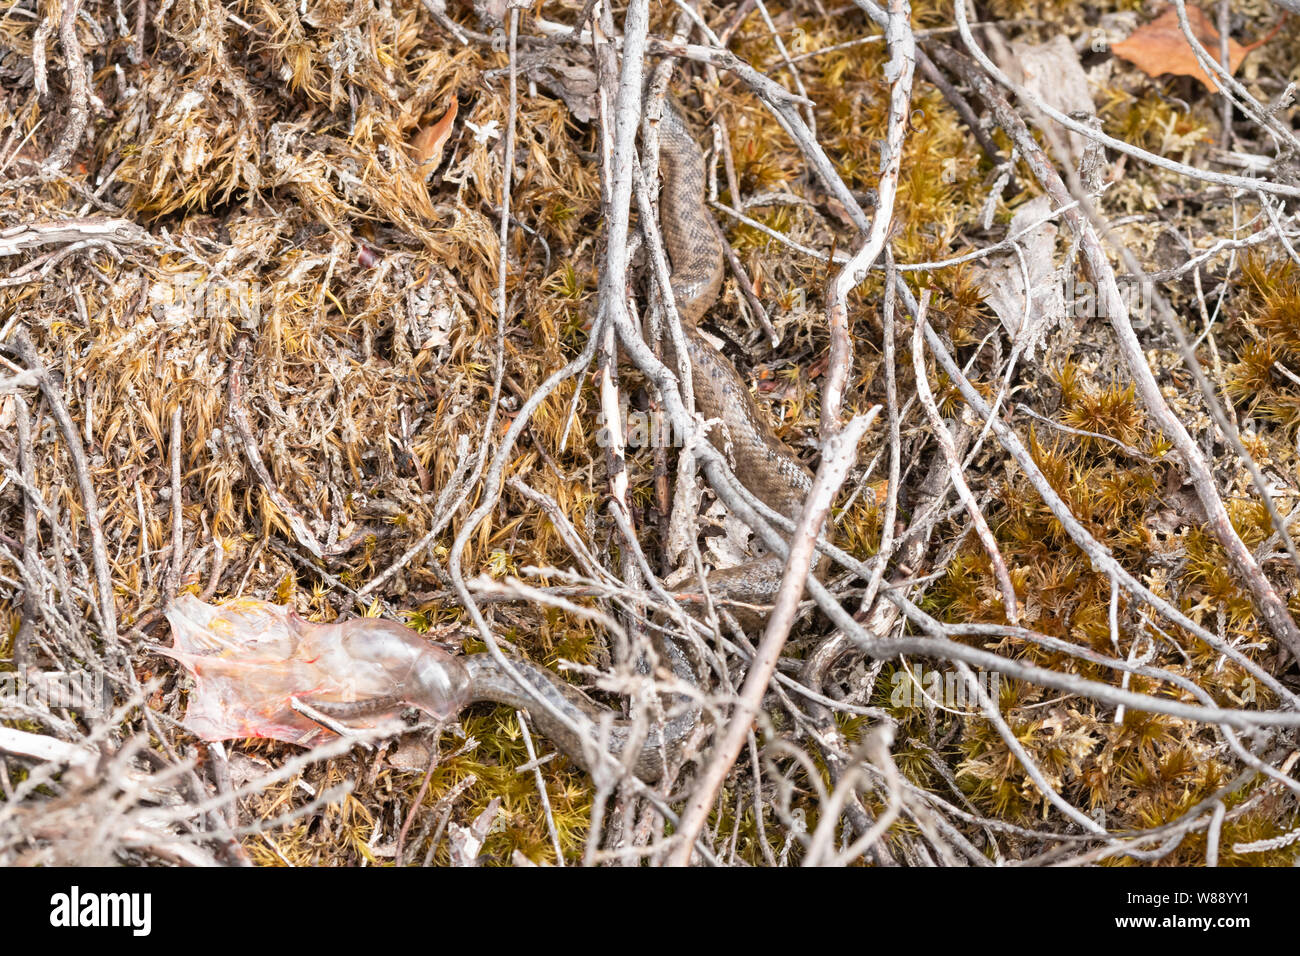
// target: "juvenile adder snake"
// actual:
[[766, 466]]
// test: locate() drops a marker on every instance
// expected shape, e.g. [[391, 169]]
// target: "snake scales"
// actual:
[[763, 463], [767, 467]]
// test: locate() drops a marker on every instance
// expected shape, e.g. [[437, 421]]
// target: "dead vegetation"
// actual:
[[259, 338]]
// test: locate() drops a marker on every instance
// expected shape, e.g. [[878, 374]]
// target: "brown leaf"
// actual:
[[427, 144], [1161, 47]]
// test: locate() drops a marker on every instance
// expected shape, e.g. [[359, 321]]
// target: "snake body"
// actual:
[[764, 464]]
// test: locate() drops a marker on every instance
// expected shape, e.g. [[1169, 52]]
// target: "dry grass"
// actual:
[[266, 154]]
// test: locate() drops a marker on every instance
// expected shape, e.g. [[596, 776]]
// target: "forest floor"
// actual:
[[260, 336]]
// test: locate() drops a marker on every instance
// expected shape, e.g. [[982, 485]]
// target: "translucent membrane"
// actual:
[[250, 659]]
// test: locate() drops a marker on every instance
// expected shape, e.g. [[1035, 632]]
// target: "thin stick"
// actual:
[[838, 457], [238, 414], [982, 529], [541, 787], [178, 528], [1111, 301], [80, 96], [901, 66], [99, 555]]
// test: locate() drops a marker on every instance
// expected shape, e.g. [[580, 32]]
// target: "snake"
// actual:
[[741, 430]]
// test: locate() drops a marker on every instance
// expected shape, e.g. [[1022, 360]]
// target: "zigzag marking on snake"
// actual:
[[766, 466]]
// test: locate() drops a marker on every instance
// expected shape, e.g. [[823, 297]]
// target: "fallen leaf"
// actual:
[[732, 547], [465, 843], [570, 74], [1027, 317], [1053, 73], [838, 210], [1161, 47], [877, 492], [410, 755], [427, 144]]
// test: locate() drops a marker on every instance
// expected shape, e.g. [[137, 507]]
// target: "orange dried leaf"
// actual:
[[427, 144], [879, 491], [1161, 47]]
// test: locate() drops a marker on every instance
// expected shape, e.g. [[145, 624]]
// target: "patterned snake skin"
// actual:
[[762, 462]]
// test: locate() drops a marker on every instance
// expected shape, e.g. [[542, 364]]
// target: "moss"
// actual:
[[1154, 122], [277, 144]]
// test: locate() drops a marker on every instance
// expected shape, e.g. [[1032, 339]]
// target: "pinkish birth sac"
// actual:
[[251, 659]]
